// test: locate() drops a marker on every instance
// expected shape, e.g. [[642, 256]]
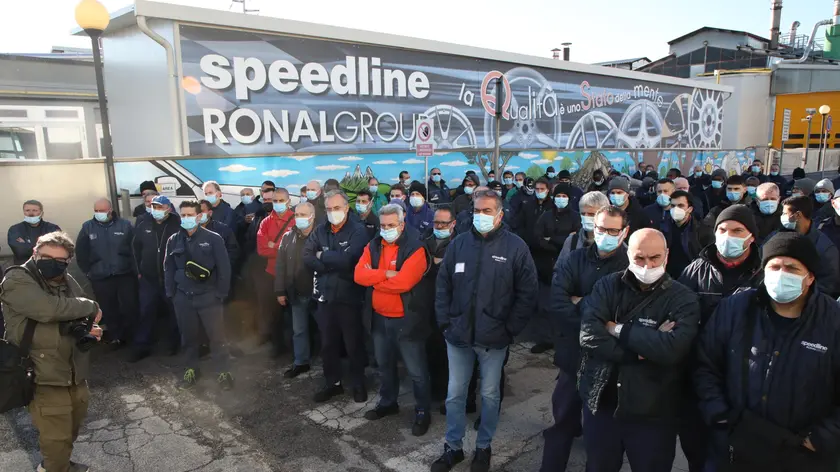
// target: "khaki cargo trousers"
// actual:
[[58, 413]]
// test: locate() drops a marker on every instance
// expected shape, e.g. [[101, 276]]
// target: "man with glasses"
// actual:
[[438, 191], [486, 290], [574, 277], [436, 242], [637, 330]]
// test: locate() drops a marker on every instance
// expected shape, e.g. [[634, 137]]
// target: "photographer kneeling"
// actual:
[[41, 294]]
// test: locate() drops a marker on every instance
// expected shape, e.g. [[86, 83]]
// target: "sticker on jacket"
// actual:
[[459, 267], [816, 347]]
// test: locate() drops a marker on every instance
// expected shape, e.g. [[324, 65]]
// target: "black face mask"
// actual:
[[268, 207], [51, 268]]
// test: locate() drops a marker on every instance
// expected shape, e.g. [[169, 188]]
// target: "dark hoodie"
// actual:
[[464, 202], [552, 228]]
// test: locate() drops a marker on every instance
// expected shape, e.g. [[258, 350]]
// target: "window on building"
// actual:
[[712, 54], [698, 56], [684, 60], [18, 143], [62, 142]]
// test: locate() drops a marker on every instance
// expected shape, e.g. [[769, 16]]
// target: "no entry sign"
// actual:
[[424, 141]]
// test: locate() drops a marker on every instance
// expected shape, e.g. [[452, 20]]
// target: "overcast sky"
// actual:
[[600, 30]]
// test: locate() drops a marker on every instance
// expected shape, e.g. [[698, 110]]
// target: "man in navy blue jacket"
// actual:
[[438, 191], [486, 291], [781, 414], [197, 280], [205, 219], [574, 277], [221, 209], [103, 251], [332, 252], [24, 235]]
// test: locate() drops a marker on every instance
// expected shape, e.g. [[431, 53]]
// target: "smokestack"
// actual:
[[836, 12], [793, 29], [775, 22], [555, 53], [567, 47]]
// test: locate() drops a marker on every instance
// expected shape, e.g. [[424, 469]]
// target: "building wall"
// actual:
[[748, 110], [715, 39], [29, 75], [67, 189], [137, 81], [797, 103]]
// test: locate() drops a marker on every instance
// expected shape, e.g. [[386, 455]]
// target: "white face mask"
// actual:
[[647, 276], [678, 214], [336, 217]]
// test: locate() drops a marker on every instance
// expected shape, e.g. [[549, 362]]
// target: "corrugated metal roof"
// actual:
[[623, 61]]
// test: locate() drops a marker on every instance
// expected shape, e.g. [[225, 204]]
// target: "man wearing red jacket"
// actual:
[[272, 228], [391, 267]]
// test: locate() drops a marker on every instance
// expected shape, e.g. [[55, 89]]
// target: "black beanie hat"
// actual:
[[147, 185], [740, 213], [417, 187], [791, 244], [563, 188], [564, 174]]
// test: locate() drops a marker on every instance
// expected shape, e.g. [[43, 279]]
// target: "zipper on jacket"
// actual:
[[473, 318]]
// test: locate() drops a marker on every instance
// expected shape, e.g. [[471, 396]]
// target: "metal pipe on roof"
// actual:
[[793, 27], [810, 46], [174, 88], [836, 12], [775, 22]]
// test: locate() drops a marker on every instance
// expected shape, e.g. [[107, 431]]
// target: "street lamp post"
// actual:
[[824, 111], [93, 18]]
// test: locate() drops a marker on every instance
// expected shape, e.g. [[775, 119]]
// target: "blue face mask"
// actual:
[[101, 216], [202, 219], [751, 190], [158, 214], [768, 207], [733, 196], [730, 247], [542, 195], [149, 210], [33, 220], [605, 242], [551, 175], [362, 207], [587, 222], [311, 194], [618, 199], [519, 183], [189, 223], [389, 235], [663, 200], [782, 286], [483, 223], [787, 223], [374, 189], [491, 179], [698, 174], [212, 199], [415, 202], [302, 223], [822, 197], [561, 202], [756, 169], [469, 190], [280, 207], [436, 178], [508, 181], [442, 233], [247, 199], [774, 173], [717, 184]]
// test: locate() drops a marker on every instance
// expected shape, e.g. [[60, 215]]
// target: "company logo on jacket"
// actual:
[[648, 322], [499, 258], [203, 244], [816, 347]]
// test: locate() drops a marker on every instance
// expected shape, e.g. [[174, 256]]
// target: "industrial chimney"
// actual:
[[793, 28], [555, 53], [775, 22], [567, 47]]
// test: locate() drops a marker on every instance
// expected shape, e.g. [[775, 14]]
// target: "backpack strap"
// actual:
[[29, 329]]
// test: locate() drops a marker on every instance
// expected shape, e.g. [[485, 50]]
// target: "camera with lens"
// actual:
[[80, 331]]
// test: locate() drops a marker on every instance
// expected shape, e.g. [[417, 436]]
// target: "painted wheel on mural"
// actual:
[[594, 130], [640, 126], [705, 119], [675, 122], [534, 127], [453, 129]]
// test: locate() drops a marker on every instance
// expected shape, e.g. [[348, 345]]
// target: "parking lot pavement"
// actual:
[[139, 422]]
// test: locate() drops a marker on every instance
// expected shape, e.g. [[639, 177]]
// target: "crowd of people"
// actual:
[[700, 307]]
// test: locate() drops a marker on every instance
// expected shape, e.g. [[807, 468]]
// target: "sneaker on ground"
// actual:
[[481, 460], [422, 420], [329, 391], [296, 370], [448, 460], [382, 411]]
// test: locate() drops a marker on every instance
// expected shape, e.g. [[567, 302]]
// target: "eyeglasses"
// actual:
[[57, 259], [435, 173], [610, 231], [441, 224]]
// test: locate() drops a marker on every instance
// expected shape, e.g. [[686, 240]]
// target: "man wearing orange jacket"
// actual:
[[272, 228], [391, 266]]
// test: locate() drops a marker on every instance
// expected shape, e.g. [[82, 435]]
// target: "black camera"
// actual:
[[80, 331]]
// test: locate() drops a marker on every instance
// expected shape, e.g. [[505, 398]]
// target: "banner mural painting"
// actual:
[[256, 93], [184, 177]]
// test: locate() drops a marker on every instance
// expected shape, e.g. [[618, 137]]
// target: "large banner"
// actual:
[[254, 93]]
